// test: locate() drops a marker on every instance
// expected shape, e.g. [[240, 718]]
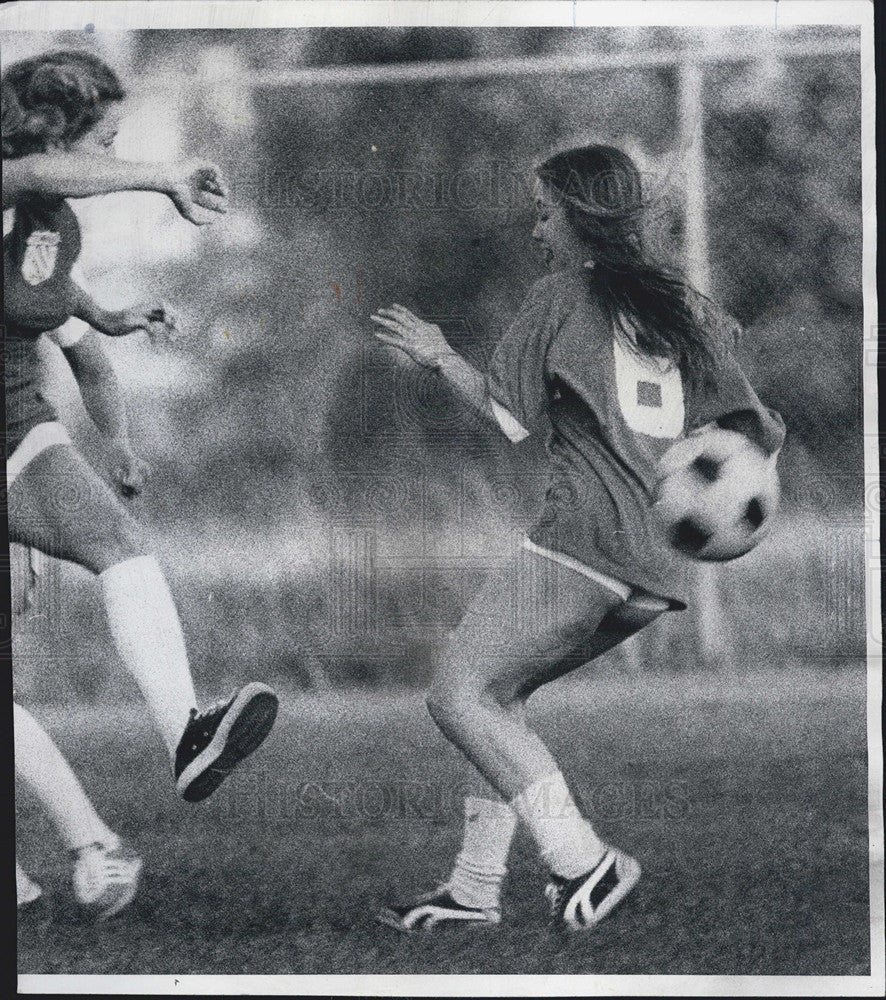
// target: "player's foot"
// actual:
[[216, 740], [435, 908], [105, 878], [26, 889], [581, 903]]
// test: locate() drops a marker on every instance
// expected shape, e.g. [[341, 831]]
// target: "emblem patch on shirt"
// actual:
[[40, 253], [648, 394]]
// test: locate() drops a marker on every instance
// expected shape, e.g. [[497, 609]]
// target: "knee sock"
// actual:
[[26, 889], [481, 867], [145, 627], [40, 763], [567, 841]]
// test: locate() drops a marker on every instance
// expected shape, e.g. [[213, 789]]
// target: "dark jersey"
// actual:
[[38, 253], [613, 412]]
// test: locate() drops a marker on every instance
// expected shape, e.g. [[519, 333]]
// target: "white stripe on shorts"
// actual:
[[39, 438], [625, 591]]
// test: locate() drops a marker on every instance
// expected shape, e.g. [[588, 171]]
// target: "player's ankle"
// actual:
[[105, 842], [490, 900]]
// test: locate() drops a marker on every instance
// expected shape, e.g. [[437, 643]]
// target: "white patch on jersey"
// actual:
[[40, 253], [650, 392], [8, 221]]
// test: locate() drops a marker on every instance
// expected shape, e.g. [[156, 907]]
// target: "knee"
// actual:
[[452, 702]]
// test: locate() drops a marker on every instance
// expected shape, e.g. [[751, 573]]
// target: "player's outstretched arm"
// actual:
[[196, 187], [103, 399], [425, 344], [156, 318]]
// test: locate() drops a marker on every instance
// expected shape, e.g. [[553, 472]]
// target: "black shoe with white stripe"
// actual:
[[216, 740], [436, 908], [581, 903]]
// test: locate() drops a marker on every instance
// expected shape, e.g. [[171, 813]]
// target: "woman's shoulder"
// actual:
[[567, 287]]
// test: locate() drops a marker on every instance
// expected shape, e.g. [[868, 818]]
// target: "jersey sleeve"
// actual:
[[74, 329], [515, 379], [735, 406]]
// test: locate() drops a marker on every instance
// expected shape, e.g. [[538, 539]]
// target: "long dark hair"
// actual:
[[600, 190], [54, 98]]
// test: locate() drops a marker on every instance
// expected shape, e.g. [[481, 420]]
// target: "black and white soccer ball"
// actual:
[[717, 495]]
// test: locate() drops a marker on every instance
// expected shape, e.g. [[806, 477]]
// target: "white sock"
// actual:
[[26, 889], [148, 636], [565, 838], [480, 868], [39, 762]]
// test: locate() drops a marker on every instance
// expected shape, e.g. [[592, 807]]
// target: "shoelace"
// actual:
[[200, 719], [113, 870], [96, 845], [105, 869]]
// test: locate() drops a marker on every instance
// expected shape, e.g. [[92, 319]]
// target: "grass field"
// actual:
[[744, 798]]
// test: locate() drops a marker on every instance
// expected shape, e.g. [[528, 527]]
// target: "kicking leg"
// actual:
[[60, 505], [496, 658], [491, 667]]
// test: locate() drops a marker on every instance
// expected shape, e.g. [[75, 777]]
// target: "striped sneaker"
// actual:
[[437, 907], [216, 740], [579, 904], [105, 878]]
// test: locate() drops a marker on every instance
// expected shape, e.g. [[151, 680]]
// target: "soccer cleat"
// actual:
[[216, 740], [26, 889], [437, 907], [581, 903], [105, 878]]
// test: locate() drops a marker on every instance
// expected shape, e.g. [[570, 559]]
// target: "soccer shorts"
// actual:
[[40, 437], [634, 595]]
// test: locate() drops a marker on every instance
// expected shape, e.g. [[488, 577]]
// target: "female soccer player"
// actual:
[[622, 357], [60, 114]]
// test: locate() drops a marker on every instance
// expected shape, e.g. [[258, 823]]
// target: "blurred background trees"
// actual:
[[280, 422]]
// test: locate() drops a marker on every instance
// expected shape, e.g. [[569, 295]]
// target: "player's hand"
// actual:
[[128, 472], [199, 192], [423, 342], [156, 318]]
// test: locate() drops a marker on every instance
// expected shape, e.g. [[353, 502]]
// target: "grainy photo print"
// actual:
[[442, 494]]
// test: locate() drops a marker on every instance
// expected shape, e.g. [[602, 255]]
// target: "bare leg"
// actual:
[[60, 505], [493, 662], [491, 666], [40, 763]]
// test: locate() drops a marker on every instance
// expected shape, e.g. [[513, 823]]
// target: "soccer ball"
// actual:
[[716, 495]]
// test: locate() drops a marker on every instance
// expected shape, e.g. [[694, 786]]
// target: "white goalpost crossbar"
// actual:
[[461, 70]]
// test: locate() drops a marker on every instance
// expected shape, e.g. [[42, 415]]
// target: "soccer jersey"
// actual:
[[613, 412], [41, 242]]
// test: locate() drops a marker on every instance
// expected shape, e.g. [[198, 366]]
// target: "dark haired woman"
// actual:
[[60, 113], [622, 357]]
